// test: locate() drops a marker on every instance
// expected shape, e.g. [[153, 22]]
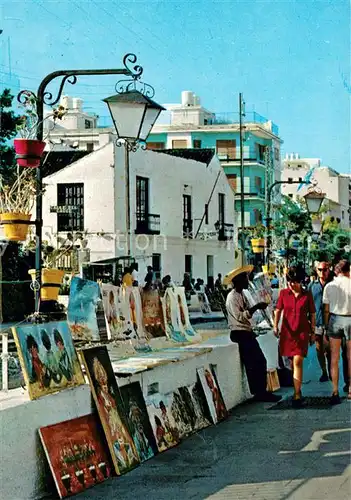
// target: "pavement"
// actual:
[[256, 453]]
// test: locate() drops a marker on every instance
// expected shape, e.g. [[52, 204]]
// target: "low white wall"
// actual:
[[23, 469]]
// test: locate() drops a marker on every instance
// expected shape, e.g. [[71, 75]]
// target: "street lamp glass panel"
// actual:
[[150, 118], [316, 226], [127, 118], [314, 202]]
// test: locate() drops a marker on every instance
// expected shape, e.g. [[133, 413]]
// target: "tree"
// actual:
[[8, 130]]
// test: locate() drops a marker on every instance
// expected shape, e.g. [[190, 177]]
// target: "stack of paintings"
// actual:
[[76, 454], [48, 358]]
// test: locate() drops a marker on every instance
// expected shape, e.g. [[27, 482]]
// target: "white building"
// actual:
[[335, 186], [170, 196]]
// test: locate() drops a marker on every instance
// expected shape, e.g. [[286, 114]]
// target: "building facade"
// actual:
[[193, 126], [176, 225], [335, 186]]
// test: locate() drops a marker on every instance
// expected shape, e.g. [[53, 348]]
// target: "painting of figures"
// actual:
[[183, 415], [81, 314], [138, 419], [162, 421], [171, 315], [187, 327], [48, 358], [110, 408], [213, 394], [153, 314], [193, 400], [112, 306], [76, 454]]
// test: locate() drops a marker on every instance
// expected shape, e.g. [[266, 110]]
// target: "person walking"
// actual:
[[218, 283], [239, 320], [298, 326], [149, 278], [337, 317], [316, 288]]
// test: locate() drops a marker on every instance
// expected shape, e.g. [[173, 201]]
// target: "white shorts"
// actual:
[[320, 330]]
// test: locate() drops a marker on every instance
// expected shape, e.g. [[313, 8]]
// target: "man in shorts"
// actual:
[[337, 317]]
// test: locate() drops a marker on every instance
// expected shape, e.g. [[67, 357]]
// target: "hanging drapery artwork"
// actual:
[[171, 314], [48, 358], [76, 454], [110, 408], [152, 313]]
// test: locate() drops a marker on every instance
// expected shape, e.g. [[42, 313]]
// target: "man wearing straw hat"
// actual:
[[239, 320]]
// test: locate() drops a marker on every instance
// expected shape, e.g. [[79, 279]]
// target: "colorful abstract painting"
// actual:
[[153, 314], [138, 419], [82, 308], [162, 421], [76, 453], [213, 394], [110, 408], [48, 358]]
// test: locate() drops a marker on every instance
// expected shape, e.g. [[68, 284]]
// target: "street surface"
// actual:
[[256, 454]]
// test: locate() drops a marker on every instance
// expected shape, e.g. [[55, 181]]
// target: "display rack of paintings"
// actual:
[[82, 308], [171, 316], [75, 450], [162, 421], [213, 394], [48, 358], [153, 313], [138, 419], [110, 408]]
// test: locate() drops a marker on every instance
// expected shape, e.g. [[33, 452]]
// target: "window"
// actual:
[[233, 181], [290, 179], [188, 264], [70, 196], [197, 144], [258, 184], [142, 198], [180, 144], [206, 213], [155, 145], [257, 216], [90, 146], [276, 154], [221, 208], [290, 195], [156, 265], [226, 149], [300, 179], [261, 152], [343, 214], [87, 124], [187, 216]]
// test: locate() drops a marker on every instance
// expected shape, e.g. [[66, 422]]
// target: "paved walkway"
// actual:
[[256, 454]]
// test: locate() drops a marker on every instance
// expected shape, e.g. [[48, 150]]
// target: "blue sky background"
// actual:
[[291, 59]]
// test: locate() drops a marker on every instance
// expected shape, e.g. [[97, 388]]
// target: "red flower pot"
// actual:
[[28, 152]]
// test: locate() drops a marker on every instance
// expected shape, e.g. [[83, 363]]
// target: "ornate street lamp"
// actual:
[[133, 113], [317, 225], [314, 199]]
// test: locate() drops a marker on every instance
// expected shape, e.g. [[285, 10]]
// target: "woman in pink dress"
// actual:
[[298, 326]]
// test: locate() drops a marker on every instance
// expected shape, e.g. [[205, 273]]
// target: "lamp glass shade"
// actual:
[[316, 226], [314, 202], [150, 118]]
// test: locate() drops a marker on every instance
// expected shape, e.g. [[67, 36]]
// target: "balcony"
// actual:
[[225, 231], [188, 228], [147, 224]]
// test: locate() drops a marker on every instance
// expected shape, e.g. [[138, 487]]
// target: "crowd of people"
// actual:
[[306, 313]]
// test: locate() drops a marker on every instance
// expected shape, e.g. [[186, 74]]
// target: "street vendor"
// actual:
[[241, 332]]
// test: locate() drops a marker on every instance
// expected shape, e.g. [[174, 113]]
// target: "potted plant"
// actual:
[[258, 240], [29, 149], [16, 203], [51, 275]]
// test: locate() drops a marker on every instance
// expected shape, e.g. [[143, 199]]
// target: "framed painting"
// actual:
[[162, 421], [110, 408], [174, 330], [76, 454], [138, 419], [112, 306], [153, 314], [83, 303], [187, 327], [213, 394], [48, 358], [193, 400]]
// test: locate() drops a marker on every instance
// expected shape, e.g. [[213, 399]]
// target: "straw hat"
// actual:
[[239, 270]]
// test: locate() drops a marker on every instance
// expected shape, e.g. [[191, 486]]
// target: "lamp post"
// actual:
[[45, 97], [133, 113], [242, 173]]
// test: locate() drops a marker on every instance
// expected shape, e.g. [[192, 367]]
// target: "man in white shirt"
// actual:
[[239, 320], [337, 318]]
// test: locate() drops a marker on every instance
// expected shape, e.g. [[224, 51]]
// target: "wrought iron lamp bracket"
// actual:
[[134, 83], [132, 145]]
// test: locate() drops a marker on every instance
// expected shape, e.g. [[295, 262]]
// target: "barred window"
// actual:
[[70, 196]]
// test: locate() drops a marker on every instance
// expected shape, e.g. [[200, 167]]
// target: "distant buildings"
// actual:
[[335, 186]]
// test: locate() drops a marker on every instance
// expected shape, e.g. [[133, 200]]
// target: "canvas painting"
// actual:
[[187, 327], [162, 421], [110, 408], [81, 314], [182, 413], [113, 310], [76, 454], [48, 358], [213, 394], [194, 403], [138, 418], [153, 314], [171, 315]]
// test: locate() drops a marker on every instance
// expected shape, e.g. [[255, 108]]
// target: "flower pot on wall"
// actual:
[[257, 245], [51, 281], [14, 229], [28, 152]]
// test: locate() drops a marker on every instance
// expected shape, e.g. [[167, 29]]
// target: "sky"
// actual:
[[290, 59]]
